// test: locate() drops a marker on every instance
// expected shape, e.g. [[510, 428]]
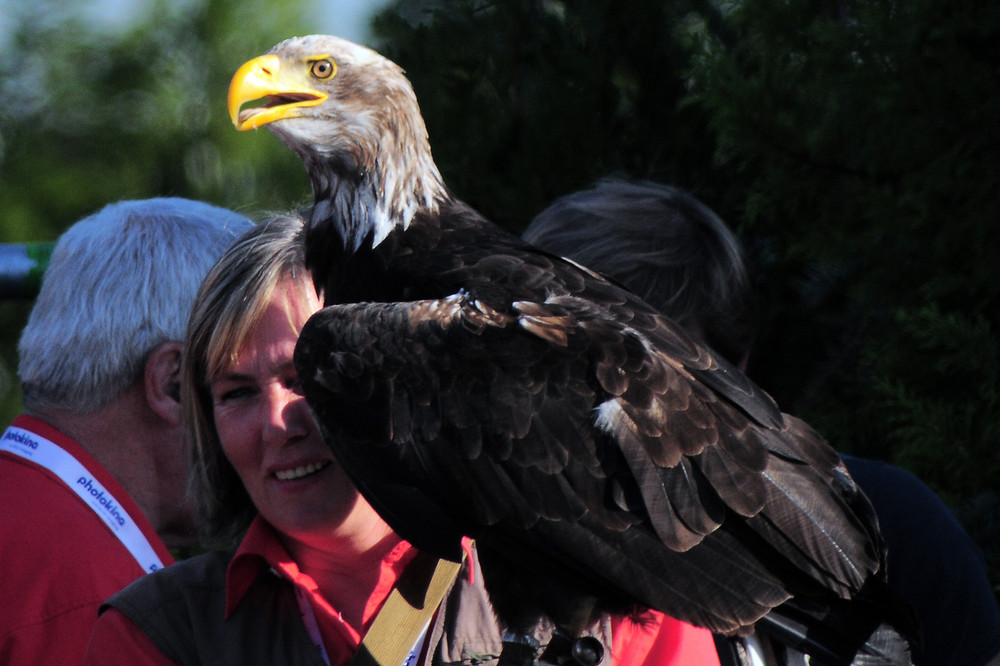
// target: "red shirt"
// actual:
[[261, 548], [660, 642], [115, 635], [59, 560]]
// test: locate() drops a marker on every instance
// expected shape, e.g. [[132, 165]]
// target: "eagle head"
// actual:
[[352, 117]]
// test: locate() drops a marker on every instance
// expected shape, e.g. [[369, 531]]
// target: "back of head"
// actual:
[[120, 282], [663, 245]]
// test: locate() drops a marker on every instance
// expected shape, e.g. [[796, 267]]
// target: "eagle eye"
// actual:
[[323, 69]]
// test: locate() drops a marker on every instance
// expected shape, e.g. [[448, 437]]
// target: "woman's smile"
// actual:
[[300, 471]]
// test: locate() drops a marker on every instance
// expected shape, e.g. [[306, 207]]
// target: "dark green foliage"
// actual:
[[528, 100], [867, 135]]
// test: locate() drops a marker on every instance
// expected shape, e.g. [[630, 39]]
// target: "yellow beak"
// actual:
[[263, 78]]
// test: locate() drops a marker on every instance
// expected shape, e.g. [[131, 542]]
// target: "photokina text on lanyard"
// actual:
[[70, 471]]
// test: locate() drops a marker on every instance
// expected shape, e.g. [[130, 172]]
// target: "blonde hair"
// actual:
[[229, 304]]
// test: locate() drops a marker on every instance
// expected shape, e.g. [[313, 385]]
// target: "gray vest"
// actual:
[[181, 608]]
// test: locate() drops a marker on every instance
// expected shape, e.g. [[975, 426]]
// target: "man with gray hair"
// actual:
[[93, 474]]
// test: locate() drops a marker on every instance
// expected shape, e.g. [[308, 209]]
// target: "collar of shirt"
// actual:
[[261, 548]]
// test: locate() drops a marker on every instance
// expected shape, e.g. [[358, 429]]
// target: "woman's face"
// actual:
[[267, 431]]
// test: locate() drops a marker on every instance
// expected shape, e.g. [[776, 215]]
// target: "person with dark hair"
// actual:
[[92, 476], [678, 255], [663, 245]]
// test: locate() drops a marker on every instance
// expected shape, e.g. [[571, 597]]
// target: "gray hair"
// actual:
[[120, 282], [663, 245], [229, 304]]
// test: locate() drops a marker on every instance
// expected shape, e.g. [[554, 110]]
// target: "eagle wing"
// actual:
[[573, 442]]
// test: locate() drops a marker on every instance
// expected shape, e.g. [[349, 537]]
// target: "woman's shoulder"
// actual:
[[183, 610], [169, 605], [187, 581]]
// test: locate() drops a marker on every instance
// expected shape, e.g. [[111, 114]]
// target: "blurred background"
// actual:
[[853, 144]]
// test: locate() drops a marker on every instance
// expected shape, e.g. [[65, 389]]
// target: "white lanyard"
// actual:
[[312, 626], [70, 471], [309, 617]]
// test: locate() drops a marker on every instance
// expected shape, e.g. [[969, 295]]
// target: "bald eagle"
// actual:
[[473, 385]]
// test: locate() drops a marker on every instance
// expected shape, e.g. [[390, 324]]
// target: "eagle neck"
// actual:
[[367, 200]]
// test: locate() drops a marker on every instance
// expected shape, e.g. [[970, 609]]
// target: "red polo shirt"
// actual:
[[659, 642], [261, 548], [116, 635]]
